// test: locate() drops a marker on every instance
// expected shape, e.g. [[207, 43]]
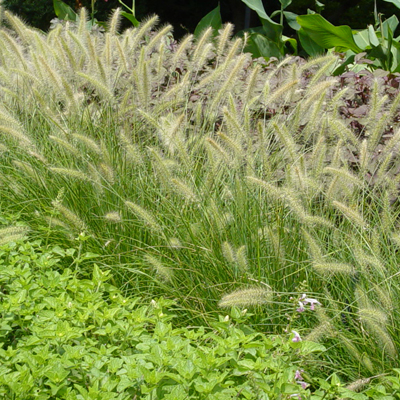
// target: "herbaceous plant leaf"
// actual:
[[213, 19], [327, 35]]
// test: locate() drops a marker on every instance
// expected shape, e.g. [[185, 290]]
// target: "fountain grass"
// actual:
[[164, 156]]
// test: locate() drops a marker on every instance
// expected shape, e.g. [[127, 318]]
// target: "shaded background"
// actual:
[[185, 14]]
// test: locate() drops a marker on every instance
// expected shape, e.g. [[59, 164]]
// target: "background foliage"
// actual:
[[184, 15]]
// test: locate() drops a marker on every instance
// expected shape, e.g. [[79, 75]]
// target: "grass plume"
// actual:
[[254, 296]]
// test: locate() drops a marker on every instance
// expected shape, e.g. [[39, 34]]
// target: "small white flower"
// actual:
[[154, 304]]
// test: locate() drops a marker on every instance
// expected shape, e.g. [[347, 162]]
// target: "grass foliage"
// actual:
[[166, 161]]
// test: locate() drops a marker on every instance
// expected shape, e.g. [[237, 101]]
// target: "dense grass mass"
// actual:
[[192, 171]]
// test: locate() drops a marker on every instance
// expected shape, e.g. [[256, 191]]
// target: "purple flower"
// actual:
[[302, 384], [296, 337], [305, 300], [299, 379], [301, 308], [312, 303], [298, 376]]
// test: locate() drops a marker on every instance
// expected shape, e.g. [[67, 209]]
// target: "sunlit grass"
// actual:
[[165, 163]]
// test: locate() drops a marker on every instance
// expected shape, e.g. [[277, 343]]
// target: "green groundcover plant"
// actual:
[[67, 336]]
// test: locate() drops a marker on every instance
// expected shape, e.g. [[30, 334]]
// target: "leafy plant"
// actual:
[[268, 40], [213, 19], [65, 12], [69, 336], [316, 35], [378, 45]]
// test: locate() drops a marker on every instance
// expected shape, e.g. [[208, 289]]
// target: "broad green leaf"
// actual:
[[391, 23], [396, 56], [257, 29], [327, 35], [57, 373], [213, 19], [335, 380], [291, 20], [289, 388], [395, 2], [64, 11], [311, 347], [99, 276], [361, 39], [340, 70], [373, 39], [285, 3], [257, 6], [309, 46], [389, 48], [292, 42], [131, 18], [261, 46], [272, 29], [379, 52]]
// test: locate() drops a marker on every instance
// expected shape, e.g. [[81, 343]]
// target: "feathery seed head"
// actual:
[[163, 271], [72, 219], [373, 314], [272, 190], [228, 252], [71, 173], [11, 238], [88, 142], [315, 249], [351, 349], [351, 214], [10, 231], [66, 145], [320, 331], [253, 296], [107, 172], [184, 190], [144, 215], [358, 385], [223, 38], [174, 243], [344, 174], [113, 216], [333, 268], [114, 22], [241, 259]]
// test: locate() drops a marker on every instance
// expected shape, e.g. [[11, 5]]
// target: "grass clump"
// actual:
[[193, 173]]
